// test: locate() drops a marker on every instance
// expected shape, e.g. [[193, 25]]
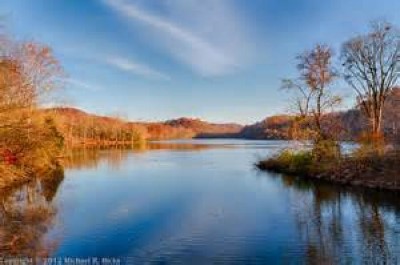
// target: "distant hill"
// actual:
[[78, 124], [279, 127], [352, 122], [273, 127]]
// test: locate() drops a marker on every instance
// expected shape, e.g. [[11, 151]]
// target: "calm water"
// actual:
[[199, 202]]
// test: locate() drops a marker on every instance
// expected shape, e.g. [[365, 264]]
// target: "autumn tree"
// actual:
[[372, 68], [312, 89], [29, 139]]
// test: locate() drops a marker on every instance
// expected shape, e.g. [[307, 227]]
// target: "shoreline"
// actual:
[[346, 173]]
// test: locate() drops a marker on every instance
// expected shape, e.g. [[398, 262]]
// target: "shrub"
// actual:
[[326, 150], [289, 161]]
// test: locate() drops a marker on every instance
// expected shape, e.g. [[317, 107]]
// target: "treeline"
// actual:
[[80, 128], [202, 129], [353, 124]]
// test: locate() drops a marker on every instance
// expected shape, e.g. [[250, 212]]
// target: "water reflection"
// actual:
[[26, 214], [114, 157], [176, 201], [345, 225]]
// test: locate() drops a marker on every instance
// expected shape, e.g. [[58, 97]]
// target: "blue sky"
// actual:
[[219, 60]]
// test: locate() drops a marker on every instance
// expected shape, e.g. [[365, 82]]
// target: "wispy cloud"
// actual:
[[135, 68], [82, 84], [212, 42], [114, 61]]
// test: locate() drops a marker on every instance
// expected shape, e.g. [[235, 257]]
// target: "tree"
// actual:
[[372, 68], [302, 96], [313, 98], [14, 94], [28, 72]]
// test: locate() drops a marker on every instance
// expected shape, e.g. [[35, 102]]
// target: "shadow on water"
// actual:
[[345, 224], [26, 214]]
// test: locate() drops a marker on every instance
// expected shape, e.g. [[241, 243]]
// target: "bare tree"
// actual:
[[317, 72], [372, 68], [313, 97], [302, 96]]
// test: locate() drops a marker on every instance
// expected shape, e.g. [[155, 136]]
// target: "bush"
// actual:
[[28, 147], [326, 150], [289, 161]]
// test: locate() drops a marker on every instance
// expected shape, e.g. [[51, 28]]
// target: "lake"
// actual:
[[198, 202]]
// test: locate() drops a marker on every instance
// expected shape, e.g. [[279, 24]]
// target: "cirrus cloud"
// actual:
[[208, 36], [135, 68]]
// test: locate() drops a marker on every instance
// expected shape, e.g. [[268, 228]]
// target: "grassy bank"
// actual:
[[368, 169]]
